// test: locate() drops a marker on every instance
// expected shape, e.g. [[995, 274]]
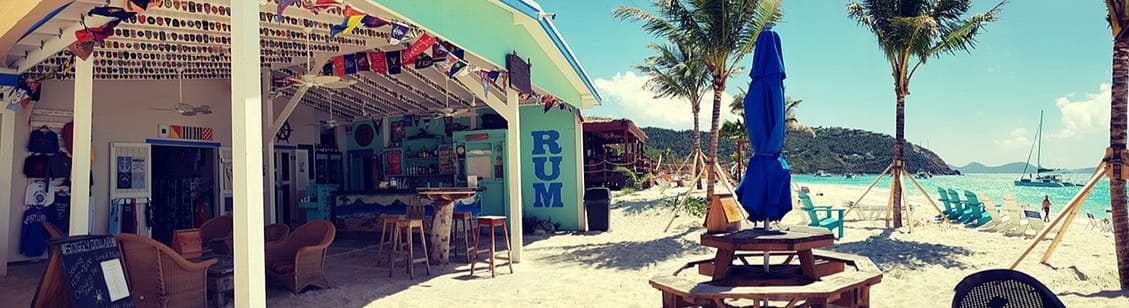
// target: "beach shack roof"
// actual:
[[487, 30], [613, 130]]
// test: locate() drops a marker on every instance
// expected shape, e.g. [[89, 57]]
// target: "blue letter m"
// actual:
[[547, 196]]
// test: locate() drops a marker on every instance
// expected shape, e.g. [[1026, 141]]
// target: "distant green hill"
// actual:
[[1016, 167], [834, 150]]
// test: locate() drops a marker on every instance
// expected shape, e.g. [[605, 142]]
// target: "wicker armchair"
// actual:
[[276, 233], [299, 260], [159, 277], [216, 233]]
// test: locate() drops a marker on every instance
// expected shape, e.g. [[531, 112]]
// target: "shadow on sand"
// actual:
[[629, 255], [889, 253]]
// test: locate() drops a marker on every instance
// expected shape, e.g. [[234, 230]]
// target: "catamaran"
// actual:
[[1039, 179]]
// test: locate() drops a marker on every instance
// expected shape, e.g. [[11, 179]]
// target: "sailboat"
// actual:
[[1039, 179]]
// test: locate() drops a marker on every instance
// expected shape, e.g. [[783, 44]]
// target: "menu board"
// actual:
[[94, 272]]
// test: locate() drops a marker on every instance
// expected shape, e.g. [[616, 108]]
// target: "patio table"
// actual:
[[444, 200]]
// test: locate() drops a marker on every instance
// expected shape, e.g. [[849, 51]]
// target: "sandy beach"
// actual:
[[612, 269]]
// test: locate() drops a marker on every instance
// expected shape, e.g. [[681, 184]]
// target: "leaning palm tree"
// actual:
[[1119, 21], [721, 31], [676, 72], [910, 32]]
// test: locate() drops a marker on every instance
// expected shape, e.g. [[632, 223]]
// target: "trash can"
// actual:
[[596, 204]]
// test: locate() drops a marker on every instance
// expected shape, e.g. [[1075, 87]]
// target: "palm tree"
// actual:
[[676, 73], [721, 31], [1119, 21], [910, 32], [737, 107]]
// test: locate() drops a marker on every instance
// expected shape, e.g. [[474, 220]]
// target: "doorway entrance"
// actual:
[[184, 189]]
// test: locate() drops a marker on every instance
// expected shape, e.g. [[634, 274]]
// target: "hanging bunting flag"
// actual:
[[362, 61], [96, 34], [326, 70], [373, 21], [392, 58], [377, 62], [423, 61], [139, 6], [579, 115], [484, 76], [339, 66], [81, 49], [424, 42], [350, 63], [282, 4], [111, 11], [317, 6], [346, 26], [441, 57], [455, 68], [439, 50], [350, 11], [397, 34]]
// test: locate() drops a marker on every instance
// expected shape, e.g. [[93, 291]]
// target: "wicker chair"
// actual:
[[216, 233], [299, 260], [276, 233], [159, 277]]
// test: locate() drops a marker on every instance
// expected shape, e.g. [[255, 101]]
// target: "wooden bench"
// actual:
[[850, 287]]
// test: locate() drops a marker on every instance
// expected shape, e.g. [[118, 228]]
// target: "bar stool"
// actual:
[[413, 221], [464, 219], [387, 226], [492, 222]]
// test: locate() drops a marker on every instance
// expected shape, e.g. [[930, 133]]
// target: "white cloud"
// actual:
[[1018, 138], [1086, 115], [625, 92]]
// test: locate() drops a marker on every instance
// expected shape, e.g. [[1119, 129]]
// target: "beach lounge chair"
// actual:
[[1005, 219], [958, 206], [1003, 288], [992, 213], [1092, 223], [827, 221], [944, 198], [1107, 226], [976, 213], [1034, 221]]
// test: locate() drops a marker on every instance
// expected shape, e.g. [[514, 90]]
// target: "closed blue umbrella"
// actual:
[[764, 190]]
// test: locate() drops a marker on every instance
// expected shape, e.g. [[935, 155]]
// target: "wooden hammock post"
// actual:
[[674, 214], [931, 202], [890, 199], [1075, 202], [880, 175], [1074, 208], [908, 212]]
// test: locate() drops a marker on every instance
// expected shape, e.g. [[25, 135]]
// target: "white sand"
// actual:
[[611, 269]]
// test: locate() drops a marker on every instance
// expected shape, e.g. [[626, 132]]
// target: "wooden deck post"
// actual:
[[80, 159]]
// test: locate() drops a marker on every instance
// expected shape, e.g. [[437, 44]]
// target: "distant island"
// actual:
[[835, 150], [1016, 167]]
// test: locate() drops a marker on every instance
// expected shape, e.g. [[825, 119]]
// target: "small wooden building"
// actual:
[[610, 144]]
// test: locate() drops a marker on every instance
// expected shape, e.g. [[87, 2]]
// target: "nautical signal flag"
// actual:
[[424, 42]]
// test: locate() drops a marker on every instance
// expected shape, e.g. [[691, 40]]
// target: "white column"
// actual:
[[581, 210], [268, 152], [513, 176], [247, 149], [7, 147], [83, 136]]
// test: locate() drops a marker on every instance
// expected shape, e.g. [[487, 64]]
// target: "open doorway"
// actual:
[[183, 189]]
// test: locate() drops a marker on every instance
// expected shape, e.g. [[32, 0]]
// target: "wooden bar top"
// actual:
[[791, 239]]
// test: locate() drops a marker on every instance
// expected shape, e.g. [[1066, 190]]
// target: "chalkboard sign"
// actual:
[[93, 269]]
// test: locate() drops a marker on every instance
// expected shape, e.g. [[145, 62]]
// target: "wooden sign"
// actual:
[[723, 215], [86, 270], [519, 73]]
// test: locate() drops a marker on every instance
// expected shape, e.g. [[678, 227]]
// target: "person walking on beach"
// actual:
[[1046, 208]]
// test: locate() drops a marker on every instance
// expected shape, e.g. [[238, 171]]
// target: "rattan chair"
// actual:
[[159, 277], [216, 233], [299, 260], [276, 233]]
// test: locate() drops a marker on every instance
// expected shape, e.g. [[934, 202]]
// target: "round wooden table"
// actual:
[[444, 201]]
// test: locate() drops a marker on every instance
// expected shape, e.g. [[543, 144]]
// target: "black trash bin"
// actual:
[[596, 203]]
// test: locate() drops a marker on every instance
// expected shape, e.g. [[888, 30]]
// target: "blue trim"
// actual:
[[551, 30], [285, 147], [44, 20], [9, 80], [183, 143]]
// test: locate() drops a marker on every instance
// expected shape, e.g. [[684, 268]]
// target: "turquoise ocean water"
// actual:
[[992, 185]]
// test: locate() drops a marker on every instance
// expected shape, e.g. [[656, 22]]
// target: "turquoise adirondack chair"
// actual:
[[979, 215], [958, 206], [829, 222], [944, 198]]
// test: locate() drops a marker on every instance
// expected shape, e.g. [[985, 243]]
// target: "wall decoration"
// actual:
[[185, 132], [519, 73]]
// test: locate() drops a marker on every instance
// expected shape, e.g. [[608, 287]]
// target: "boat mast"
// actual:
[[1039, 155]]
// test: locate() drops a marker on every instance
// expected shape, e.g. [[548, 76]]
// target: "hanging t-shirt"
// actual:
[[33, 237], [39, 193], [115, 217], [60, 212]]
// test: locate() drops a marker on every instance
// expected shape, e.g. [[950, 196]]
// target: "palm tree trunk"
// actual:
[[1117, 127], [899, 141], [718, 89], [696, 108]]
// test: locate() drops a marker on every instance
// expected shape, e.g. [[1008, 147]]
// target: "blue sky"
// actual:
[[1041, 55]]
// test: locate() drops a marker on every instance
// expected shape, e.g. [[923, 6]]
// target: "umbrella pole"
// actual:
[[876, 179]]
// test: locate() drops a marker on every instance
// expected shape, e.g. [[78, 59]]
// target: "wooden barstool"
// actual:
[[387, 226], [413, 221], [492, 222], [464, 219]]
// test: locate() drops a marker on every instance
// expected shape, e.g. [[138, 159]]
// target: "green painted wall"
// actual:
[[548, 139]]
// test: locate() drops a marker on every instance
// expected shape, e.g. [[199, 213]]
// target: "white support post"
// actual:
[[247, 149], [268, 153], [7, 166], [513, 176], [581, 210], [83, 133]]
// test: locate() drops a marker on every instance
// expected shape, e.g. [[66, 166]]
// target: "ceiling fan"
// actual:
[[331, 122], [182, 108], [447, 111]]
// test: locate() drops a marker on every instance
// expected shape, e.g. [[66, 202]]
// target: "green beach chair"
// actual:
[[958, 206], [829, 222], [944, 198], [975, 212]]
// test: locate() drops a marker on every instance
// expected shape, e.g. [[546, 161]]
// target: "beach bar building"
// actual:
[[428, 93]]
